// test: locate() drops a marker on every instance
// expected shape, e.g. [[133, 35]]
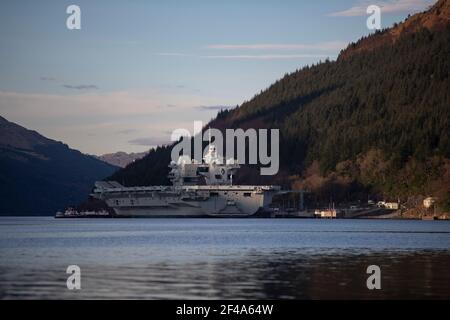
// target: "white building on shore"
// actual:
[[429, 202]]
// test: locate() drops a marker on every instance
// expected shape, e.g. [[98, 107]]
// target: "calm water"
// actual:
[[223, 258]]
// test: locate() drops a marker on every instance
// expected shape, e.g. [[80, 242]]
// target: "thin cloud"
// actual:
[[266, 56], [70, 118], [322, 46], [111, 104], [214, 108], [149, 142], [174, 54], [81, 87], [251, 56], [393, 6], [126, 131], [47, 78]]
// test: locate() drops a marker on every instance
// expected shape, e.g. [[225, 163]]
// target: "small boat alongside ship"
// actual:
[[72, 213]]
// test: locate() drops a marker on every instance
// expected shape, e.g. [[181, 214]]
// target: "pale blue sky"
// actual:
[[139, 69]]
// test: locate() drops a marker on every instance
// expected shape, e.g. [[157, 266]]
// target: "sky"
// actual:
[[137, 70]]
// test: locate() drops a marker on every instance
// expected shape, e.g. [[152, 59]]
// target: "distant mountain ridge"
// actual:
[[376, 122], [39, 176], [121, 159]]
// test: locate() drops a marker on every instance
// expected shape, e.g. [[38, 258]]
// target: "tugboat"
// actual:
[[72, 213]]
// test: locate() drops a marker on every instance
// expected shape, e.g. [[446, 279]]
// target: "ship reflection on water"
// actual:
[[224, 259], [283, 275]]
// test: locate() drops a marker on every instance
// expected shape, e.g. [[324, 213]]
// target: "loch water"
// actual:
[[223, 258]]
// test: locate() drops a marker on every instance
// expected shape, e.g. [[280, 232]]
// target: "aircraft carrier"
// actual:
[[199, 189]]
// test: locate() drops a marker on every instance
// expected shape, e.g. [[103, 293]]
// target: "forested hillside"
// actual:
[[374, 122]]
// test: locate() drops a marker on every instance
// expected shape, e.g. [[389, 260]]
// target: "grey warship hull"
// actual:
[[186, 201]]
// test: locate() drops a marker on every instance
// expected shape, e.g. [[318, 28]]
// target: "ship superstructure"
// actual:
[[198, 189]]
